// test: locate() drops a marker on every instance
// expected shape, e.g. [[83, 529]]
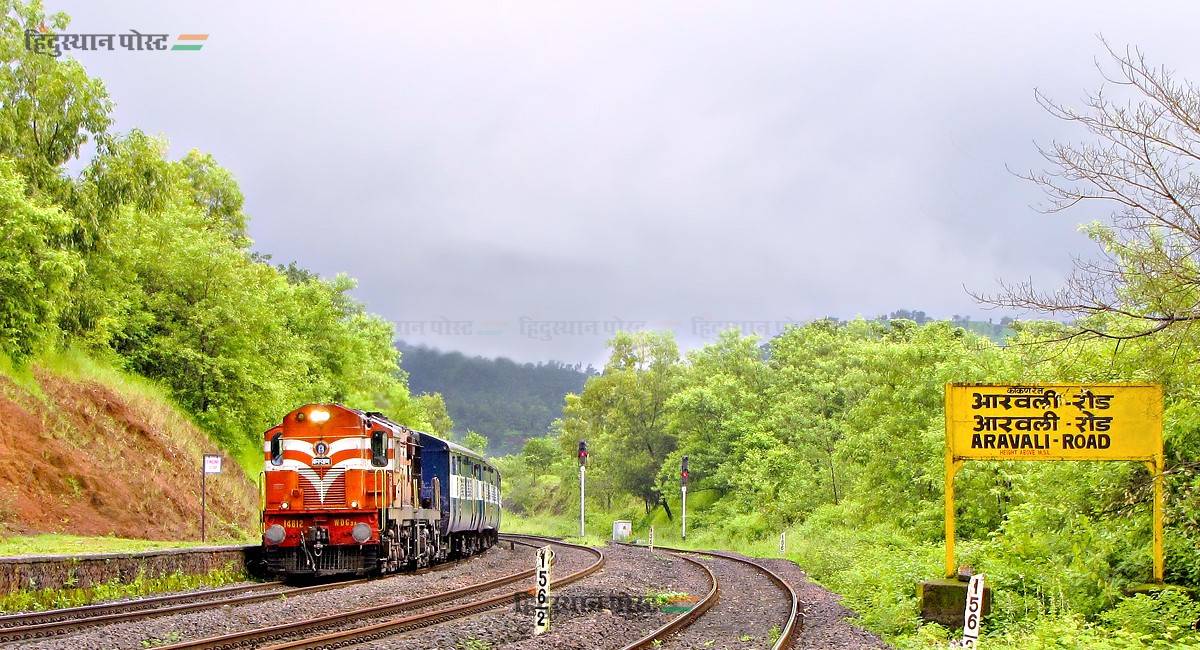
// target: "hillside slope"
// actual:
[[90, 455]]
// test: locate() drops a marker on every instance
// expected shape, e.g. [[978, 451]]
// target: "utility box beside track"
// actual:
[[943, 601]]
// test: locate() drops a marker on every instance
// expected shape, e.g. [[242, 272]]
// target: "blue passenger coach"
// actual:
[[467, 490]]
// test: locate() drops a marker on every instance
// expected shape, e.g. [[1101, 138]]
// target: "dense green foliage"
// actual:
[[145, 261], [500, 398]]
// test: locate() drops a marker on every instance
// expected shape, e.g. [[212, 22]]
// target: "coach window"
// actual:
[[277, 449], [378, 448]]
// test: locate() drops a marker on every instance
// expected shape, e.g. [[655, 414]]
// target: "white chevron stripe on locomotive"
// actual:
[[322, 485]]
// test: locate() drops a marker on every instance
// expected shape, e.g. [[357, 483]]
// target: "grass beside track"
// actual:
[[28, 600], [52, 544]]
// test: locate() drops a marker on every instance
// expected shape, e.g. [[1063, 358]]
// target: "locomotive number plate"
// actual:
[[320, 461]]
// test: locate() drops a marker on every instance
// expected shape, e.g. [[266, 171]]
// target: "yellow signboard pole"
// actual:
[[951, 469], [949, 515], [1156, 467]]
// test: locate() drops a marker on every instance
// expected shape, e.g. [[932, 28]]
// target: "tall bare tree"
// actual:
[[1141, 162]]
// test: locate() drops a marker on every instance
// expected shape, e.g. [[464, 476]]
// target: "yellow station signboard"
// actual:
[[1054, 421]]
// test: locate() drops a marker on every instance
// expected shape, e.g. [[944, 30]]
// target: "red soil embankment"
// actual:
[[83, 459]]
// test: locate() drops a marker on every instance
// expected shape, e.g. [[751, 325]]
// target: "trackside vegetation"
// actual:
[[72, 595]]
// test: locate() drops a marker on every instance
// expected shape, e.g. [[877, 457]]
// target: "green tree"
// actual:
[[216, 192], [622, 413], [35, 269], [51, 107], [475, 441], [433, 406]]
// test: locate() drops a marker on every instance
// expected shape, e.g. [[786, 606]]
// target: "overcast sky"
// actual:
[[671, 164]]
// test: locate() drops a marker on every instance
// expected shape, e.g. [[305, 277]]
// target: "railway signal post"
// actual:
[[583, 455], [683, 481]]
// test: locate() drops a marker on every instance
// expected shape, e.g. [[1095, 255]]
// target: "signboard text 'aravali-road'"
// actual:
[[1054, 421]]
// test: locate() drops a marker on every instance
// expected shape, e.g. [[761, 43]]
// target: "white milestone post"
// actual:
[[541, 607], [651, 539], [783, 543], [973, 612]]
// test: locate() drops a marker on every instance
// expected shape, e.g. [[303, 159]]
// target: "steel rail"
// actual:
[[685, 619]]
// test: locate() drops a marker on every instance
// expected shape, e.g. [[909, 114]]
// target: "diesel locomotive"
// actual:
[[352, 492]]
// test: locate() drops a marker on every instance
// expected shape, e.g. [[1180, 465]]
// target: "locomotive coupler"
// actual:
[[318, 537]]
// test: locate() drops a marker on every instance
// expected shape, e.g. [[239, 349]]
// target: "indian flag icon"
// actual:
[[190, 42]]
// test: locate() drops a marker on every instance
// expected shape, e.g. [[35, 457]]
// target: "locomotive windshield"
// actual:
[[378, 448]]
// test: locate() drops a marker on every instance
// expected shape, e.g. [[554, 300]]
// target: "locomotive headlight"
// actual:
[[273, 534], [283, 505], [318, 416], [361, 532]]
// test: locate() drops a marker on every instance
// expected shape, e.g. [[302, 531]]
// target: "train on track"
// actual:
[[351, 492]]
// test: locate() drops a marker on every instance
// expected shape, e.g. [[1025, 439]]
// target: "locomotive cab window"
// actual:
[[378, 448], [277, 449]]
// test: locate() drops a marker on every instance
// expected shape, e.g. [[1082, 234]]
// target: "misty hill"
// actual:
[[500, 398]]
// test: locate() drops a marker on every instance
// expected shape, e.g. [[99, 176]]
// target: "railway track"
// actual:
[[788, 630], [315, 632], [55, 622]]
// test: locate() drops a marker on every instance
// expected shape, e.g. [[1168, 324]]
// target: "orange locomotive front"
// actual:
[[339, 492]]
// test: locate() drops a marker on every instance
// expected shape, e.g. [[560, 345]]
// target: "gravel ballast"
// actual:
[[749, 610], [629, 571], [827, 624]]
